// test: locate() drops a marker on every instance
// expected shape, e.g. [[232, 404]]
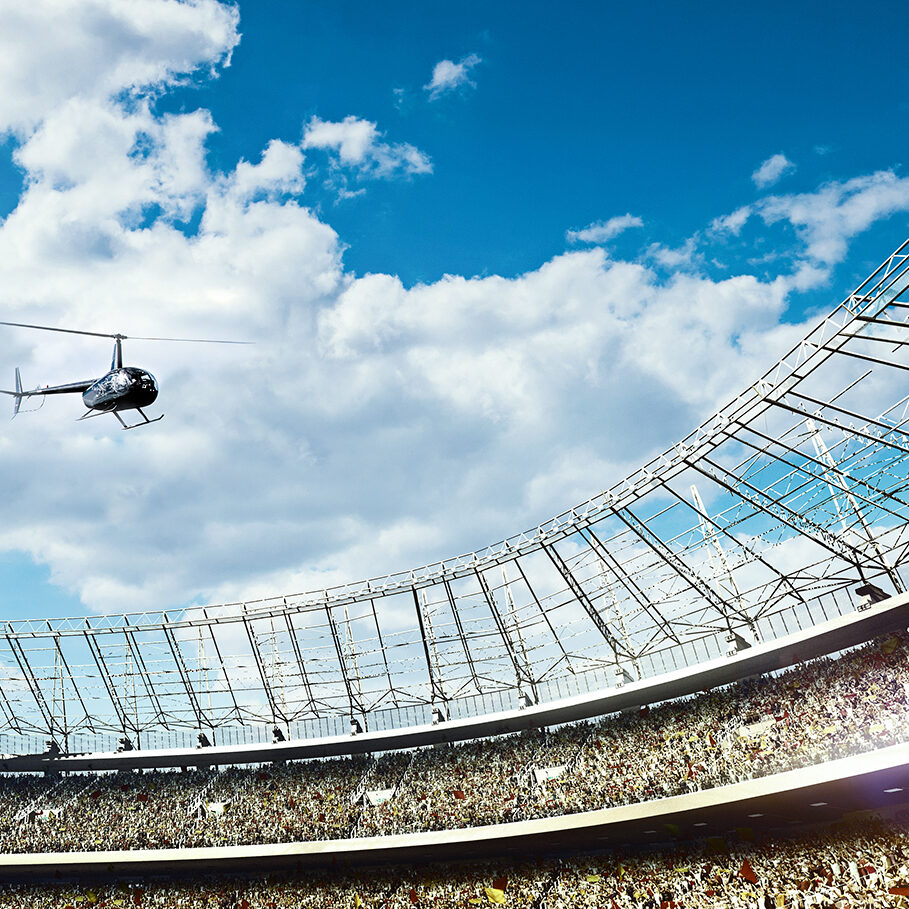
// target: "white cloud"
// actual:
[[105, 161], [771, 171], [511, 350], [52, 51], [603, 231], [280, 172], [824, 221], [733, 222], [358, 144], [828, 218], [682, 256], [448, 76]]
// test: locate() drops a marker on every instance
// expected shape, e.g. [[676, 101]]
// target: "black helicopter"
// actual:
[[122, 388]]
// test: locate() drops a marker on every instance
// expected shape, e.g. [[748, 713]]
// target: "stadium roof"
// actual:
[[762, 521]]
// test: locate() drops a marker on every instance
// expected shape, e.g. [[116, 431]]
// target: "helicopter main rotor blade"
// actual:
[[101, 334], [187, 340], [69, 331]]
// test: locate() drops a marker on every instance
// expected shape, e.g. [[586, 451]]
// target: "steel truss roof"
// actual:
[[763, 519]]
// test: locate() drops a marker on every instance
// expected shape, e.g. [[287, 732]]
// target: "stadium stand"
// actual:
[[816, 712]]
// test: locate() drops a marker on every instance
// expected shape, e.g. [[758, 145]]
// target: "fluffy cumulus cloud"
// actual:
[[371, 426], [514, 351], [54, 51], [603, 231], [772, 170], [358, 144], [824, 221], [448, 76], [679, 257]]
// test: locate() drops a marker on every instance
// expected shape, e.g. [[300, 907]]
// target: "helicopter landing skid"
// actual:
[[145, 420], [101, 413]]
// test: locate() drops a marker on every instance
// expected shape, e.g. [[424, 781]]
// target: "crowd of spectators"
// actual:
[[814, 712], [865, 864]]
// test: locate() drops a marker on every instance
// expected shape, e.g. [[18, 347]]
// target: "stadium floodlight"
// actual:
[[202, 741], [438, 714], [51, 748], [622, 677], [276, 735], [870, 594], [124, 744], [737, 642], [355, 727]]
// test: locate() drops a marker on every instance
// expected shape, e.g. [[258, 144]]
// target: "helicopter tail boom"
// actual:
[[20, 393]]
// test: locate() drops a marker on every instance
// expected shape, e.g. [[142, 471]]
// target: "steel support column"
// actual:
[[98, 657], [276, 712], [31, 680], [182, 671], [435, 684], [521, 673], [355, 707], [461, 636], [630, 585], [618, 648], [679, 566]]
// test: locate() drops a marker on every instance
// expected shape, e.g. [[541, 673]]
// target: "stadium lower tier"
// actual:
[[847, 865], [813, 714]]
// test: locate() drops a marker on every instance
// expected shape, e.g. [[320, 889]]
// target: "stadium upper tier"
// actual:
[[765, 520]]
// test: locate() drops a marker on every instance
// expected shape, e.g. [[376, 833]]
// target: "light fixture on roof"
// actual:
[[756, 815], [622, 676], [817, 804], [51, 748], [870, 594], [894, 789], [736, 644]]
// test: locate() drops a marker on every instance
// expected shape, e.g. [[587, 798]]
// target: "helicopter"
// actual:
[[121, 388]]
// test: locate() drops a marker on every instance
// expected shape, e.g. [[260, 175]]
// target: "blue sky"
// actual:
[[472, 242], [661, 109]]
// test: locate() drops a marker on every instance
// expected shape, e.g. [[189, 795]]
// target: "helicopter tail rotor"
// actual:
[[18, 396], [20, 393]]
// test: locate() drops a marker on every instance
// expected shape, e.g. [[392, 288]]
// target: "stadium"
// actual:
[[689, 690]]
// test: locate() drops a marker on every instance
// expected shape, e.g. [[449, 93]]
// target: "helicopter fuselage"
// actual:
[[123, 388]]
